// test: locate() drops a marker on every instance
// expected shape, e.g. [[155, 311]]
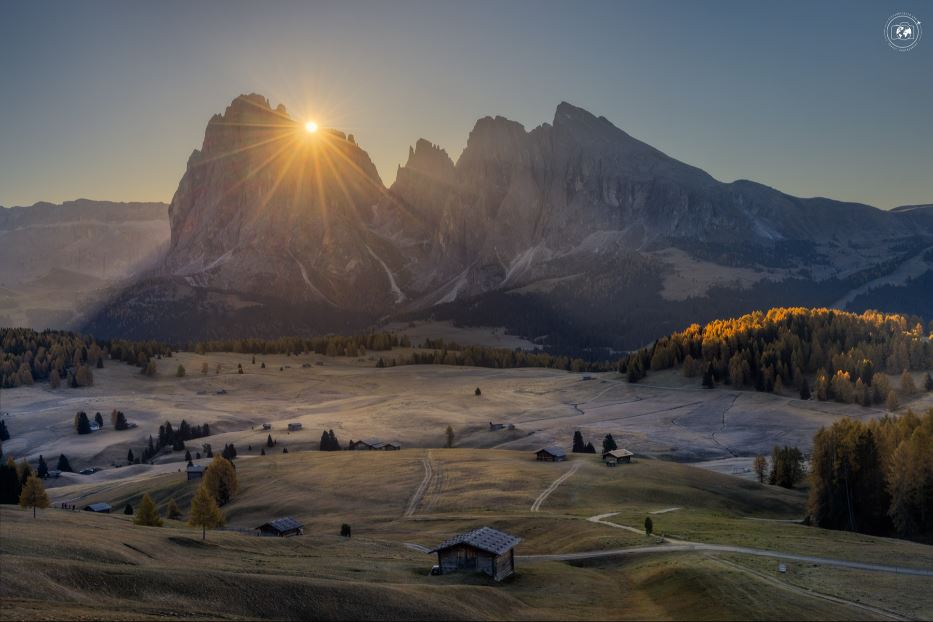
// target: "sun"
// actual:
[[311, 127]]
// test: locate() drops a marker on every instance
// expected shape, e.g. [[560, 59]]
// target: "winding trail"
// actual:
[[685, 545], [536, 506], [422, 487]]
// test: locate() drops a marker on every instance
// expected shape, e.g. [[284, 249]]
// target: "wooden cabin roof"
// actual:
[[618, 453], [282, 524], [554, 451], [485, 538]]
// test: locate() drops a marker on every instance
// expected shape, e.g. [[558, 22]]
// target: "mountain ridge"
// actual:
[[576, 209]]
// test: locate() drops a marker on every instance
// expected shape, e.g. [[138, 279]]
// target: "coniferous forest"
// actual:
[[833, 355], [874, 477]]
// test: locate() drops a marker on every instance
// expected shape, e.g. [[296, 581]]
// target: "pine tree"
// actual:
[[649, 525], [82, 423], [204, 511], [33, 495], [129, 456], [173, 511], [804, 389], [345, 530], [4, 433], [187, 455], [99, 420], [269, 441], [589, 449], [262, 451], [449, 434], [147, 515], [578, 445], [128, 509], [63, 465], [42, 471], [477, 392], [609, 444], [708, 380], [10, 487]]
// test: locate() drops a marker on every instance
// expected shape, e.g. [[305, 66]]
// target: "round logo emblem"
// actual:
[[902, 32]]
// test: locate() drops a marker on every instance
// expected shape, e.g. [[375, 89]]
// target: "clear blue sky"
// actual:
[[106, 100]]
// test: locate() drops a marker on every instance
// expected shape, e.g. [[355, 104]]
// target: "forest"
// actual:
[[784, 348], [28, 356], [875, 477]]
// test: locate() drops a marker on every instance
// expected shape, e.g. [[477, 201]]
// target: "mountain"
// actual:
[[574, 230], [56, 261]]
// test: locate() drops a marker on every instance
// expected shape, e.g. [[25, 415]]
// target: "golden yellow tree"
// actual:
[[146, 514], [204, 511], [33, 495], [220, 480]]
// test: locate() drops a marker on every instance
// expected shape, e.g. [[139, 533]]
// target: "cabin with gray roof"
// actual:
[[281, 528], [374, 444], [551, 454], [195, 471], [100, 508], [485, 550], [617, 456]]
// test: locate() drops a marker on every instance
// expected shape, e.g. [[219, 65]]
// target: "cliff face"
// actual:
[[265, 207]]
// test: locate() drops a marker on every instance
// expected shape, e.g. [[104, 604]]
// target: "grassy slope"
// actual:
[[375, 576]]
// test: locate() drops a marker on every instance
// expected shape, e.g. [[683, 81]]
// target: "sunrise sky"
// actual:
[[106, 100]]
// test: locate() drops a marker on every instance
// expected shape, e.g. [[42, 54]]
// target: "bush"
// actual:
[[345, 530]]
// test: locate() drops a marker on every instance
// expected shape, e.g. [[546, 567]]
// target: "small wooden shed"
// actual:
[[617, 456], [551, 454], [374, 444], [294, 427], [485, 550], [281, 528], [100, 508], [195, 471]]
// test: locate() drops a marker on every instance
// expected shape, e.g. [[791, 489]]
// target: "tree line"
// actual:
[[874, 477], [332, 345], [28, 356], [782, 347]]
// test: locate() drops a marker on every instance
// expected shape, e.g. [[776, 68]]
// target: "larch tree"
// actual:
[[205, 512], [33, 495], [220, 480], [760, 466], [173, 511], [146, 514], [449, 434]]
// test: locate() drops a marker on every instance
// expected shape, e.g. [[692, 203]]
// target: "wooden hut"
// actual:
[[195, 471], [294, 427], [100, 508], [617, 456], [374, 444], [551, 454], [281, 528], [485, 550]]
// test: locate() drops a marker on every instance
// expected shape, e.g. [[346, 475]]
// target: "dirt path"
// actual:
[[685, 545], [807, 592], [536, 506], [422, 487]]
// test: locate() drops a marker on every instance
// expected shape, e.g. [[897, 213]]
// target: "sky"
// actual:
[[106, 100]]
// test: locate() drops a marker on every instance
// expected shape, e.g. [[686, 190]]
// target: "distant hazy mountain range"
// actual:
[[574, 231], [58, 261]]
